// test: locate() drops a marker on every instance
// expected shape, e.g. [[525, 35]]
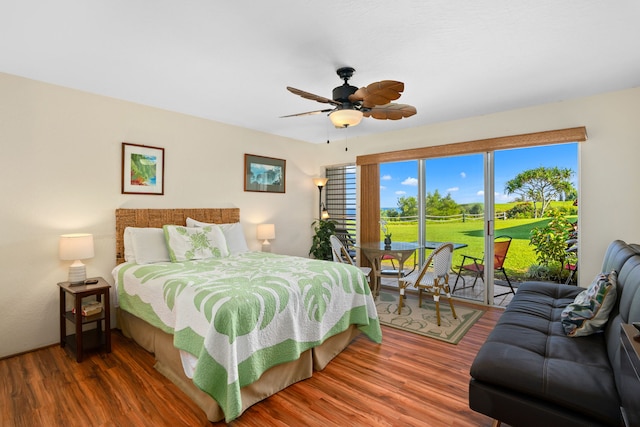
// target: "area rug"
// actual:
[[423, 320]]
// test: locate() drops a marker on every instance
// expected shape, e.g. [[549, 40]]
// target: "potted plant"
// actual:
[[321, 245], [387, 234]]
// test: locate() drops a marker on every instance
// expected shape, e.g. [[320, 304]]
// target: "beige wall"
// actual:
[[60, 173]]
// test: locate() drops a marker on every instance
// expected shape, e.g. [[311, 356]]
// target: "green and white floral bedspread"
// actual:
[[244, 314]]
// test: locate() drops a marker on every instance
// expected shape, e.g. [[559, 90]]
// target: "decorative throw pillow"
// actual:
[[233, 234], [186, 243], [590, 310]]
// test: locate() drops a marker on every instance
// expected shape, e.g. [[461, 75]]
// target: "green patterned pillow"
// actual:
[[590, 310], [187, 243]]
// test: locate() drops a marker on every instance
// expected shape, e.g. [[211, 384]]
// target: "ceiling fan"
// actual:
[[350, 104]]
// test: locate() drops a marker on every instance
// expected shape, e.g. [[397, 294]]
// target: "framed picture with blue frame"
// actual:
[[264, 174]]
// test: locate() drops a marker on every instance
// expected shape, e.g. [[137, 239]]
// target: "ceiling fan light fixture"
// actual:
[[345, 118]]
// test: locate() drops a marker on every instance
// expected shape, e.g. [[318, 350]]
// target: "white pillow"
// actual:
[[188, 243], [146, 245], [233, 233], [129, 255]]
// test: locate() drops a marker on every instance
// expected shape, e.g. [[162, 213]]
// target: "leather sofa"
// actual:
[[530, 373]]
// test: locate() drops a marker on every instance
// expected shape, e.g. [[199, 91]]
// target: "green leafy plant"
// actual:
[[321, 245], [538, 272], [550, 241]]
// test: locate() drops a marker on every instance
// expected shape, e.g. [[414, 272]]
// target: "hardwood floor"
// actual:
[[408, 380]]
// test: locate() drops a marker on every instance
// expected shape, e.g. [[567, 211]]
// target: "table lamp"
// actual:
[[266, 232], [76, 247]]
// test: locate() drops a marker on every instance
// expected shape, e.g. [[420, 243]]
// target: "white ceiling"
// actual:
[[231, 61]]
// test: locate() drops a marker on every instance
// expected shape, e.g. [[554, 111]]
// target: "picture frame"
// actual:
[[264, 174], [142, 169]]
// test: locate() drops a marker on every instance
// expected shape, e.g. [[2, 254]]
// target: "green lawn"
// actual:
[[519, 258]]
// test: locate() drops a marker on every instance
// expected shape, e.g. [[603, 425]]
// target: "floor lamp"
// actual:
[[321, 182]]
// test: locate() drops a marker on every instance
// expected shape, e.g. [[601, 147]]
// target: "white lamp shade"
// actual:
[[345, 118], [266, 231], [76, 246], [320, 182]]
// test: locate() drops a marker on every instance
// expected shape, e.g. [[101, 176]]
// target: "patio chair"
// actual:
[[341, 254], [476, 266], [433, 278], [347, 241], [394, 271]]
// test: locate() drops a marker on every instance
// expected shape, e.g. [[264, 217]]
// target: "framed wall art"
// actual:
[[142, 169], [264, 174]]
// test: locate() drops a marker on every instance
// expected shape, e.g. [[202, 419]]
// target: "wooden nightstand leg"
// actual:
[[107, 321], [78, 305], [63, 326]]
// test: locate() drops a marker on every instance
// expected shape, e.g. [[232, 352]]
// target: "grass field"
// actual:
[[521, 254]]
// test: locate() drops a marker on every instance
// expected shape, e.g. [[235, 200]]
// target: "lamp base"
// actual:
[[266, 247], [77, 273]]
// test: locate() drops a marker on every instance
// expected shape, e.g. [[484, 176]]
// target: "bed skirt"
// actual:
[[168, 363]]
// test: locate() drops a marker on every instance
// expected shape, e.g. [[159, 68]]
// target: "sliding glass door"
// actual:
[[487, 204], [399, 215], [454, 211]]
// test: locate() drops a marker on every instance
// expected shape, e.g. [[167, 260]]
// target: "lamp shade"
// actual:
[[266, 231], [320, 182], [76, 246], [345, 118], [324, 213]]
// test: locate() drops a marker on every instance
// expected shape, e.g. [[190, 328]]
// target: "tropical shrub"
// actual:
[[550, 241], [538, 272], [520, 211]]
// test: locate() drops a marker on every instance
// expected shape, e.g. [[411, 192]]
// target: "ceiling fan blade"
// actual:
[[390, 111], [311, 96], [308, 113], [378, 93]]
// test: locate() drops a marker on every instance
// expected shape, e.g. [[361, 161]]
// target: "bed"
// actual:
[[227, 325]]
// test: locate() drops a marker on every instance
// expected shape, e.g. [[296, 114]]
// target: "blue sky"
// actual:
[[463, 176]]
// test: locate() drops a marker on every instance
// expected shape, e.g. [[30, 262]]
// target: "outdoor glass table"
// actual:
[[401, 251], [374, 252], [433, 245]]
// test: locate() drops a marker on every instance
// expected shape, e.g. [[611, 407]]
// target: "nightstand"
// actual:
[[93, 338]]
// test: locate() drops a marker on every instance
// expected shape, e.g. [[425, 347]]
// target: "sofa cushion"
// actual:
[[590, 310]]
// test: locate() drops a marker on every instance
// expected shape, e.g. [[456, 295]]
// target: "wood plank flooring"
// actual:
[[408, 380]]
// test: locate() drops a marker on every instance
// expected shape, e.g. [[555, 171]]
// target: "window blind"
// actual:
[[340, 197]]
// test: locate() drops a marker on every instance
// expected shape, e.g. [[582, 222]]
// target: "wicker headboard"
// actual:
[[159, 217]]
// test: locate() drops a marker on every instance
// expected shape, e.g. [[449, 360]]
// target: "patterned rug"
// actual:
[[423, 320]]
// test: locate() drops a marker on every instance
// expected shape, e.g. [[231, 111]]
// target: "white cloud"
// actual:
[[385, 178], [499, 197], [382, 187], [463, 175], [410, 181], [452, 189], [400, 193]]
